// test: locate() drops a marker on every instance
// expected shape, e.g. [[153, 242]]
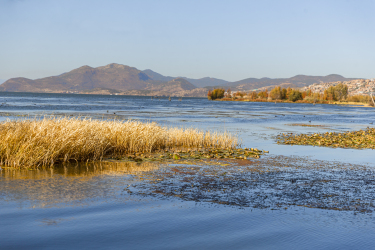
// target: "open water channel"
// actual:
[[295, 197]]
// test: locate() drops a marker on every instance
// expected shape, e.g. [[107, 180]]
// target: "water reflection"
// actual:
[[81, 170], [70, 184]]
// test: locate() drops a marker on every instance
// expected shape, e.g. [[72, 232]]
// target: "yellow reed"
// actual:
[[34, 143]]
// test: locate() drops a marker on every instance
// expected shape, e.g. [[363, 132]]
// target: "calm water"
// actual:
[[116, 205]]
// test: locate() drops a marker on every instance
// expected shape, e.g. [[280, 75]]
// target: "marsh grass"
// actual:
[[33, 143]]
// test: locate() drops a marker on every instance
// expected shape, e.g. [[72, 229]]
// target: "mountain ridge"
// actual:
[[123, 79], [199, 83]]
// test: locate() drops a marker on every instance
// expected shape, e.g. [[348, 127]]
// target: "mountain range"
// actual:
[[121, 79]]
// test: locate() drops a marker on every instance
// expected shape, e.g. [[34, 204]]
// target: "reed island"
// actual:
[[45, 142]]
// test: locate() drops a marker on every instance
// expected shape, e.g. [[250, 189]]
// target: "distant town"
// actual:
[[355, 87]]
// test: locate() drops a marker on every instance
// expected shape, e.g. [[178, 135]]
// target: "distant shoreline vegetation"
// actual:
[[333, 95]]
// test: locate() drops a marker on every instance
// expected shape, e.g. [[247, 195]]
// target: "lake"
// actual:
[[295, 197]]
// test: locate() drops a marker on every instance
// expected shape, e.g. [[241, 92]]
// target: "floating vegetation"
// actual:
[[353, 139], [306, 125], [35, 143], [192, 154], [271, 128], [273, 182]]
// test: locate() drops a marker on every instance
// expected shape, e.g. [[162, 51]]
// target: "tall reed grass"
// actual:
[[34, 143]]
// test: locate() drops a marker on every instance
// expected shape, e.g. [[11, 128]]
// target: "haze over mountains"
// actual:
[[121, 79]]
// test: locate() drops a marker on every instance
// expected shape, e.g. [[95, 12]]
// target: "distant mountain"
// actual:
[[295, 81], [175, 87], [112, 78], [199, 83], [156, 76], [177, 84], [206, 81], [1, 81]]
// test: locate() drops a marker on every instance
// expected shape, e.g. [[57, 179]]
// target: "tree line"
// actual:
[[333, 93]]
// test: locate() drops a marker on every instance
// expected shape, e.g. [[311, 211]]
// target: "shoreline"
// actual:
[[352, 104]]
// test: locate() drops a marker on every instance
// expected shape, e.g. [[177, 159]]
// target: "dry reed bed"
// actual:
[[35, 143]]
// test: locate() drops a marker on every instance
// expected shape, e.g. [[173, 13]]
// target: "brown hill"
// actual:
[[178, 84], [175, 87], [112, 76]]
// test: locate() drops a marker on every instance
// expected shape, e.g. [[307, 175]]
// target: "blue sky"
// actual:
[[231, 40]]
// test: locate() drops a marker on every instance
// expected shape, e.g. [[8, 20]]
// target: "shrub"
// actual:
[[216, 94], [295, 95]]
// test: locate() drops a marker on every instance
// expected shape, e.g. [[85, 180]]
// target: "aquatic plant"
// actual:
[[275, 182], [354, 139], [34, 143], [192, 154], [306, 125]]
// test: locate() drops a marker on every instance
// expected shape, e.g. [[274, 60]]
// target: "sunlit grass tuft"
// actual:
[[35, 143]]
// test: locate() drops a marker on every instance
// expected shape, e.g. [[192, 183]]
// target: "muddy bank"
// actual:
[[275, 182]]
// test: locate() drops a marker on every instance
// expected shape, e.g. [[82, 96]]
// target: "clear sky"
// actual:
[[231, 39]]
